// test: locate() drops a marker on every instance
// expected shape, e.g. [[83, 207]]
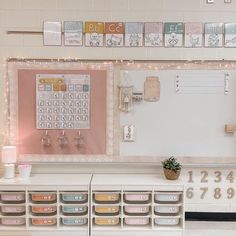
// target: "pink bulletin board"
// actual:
[[29, 138]]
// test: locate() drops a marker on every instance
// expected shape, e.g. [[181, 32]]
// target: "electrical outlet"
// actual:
[[129, 132], [210, 1]]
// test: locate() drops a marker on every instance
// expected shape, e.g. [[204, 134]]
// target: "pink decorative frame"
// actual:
[[22, 130]]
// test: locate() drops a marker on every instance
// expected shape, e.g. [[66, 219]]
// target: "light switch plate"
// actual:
[[210, 1], [129, 133]]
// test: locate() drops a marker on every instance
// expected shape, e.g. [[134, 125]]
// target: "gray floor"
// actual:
[[202, 228]]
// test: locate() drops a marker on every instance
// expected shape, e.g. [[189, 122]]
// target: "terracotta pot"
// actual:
[[171, 175]]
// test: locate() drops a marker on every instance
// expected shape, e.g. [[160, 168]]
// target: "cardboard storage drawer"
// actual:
[[43, 221], [13, 221], [45, 209], [167, 209], [136, 221], [74, 209], [136, 210], [107, 221], [13, 196], [74, 221], [167, 221], [102, 209], [43, 197], [167, 196], [107, 197], [74, 197], [12, 209], [136, 197]]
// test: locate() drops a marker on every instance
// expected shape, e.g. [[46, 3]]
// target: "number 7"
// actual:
[[204, 190]]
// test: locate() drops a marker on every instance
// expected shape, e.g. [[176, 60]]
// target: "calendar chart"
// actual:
[[62, 101]]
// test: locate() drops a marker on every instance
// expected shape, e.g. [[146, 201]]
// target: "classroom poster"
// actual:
[[73, 33], [230, 35], [114, 34], [52, 33], [134, 34], [94, 34], [173, 34], [214, 35], [153, 34], [193, 35]]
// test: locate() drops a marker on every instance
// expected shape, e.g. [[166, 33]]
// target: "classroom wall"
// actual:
[[29, 15]]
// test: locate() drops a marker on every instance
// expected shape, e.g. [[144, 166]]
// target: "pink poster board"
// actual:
[[30, 138]]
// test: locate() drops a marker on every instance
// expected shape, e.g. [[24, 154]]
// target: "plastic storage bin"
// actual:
[[43, 221], [137, 221], [136, 197], [12, 196], [74, 209], [171, 221], [143, 210], [107, 221], [74, 197], [46, 209], [12, 209], [43, 197], [166, 209], [74, 221], [13, 221], [111, 210], [107, 197], [167, 196]]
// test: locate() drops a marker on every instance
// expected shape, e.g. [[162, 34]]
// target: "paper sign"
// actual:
[[114, 34], [94, 34], [152, 89], [73, 33], [193, 35], [173, 34], [230, 35], [214, 35], [153, 34], [52, 33], [133, 34]]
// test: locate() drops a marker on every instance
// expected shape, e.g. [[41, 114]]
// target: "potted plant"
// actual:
[[172, 168]]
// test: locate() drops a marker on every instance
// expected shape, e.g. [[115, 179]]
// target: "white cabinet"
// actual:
[[50, 204], [91, 205], [136, 205]]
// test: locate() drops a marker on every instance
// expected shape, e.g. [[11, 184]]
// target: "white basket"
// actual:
[[167, 209], [167, 196], [167, 221]]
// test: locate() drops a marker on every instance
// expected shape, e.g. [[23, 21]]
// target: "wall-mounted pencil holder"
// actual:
[[62, 139], [46, 139]]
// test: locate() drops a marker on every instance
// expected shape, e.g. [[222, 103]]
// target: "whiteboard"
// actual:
[[181, 124]]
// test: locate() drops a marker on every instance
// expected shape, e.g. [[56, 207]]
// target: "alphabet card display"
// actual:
[[62, 101], [52, 33], [174, 34], [193, 35], [153, 34], [114, 34], [73, 33], [134, 34], [230, 35], [94, 34], [214, 35]]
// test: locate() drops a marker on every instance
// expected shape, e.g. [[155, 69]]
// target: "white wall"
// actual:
[[30, 14]]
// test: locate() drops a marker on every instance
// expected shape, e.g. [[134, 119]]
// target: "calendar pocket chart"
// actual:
[[62, 101]]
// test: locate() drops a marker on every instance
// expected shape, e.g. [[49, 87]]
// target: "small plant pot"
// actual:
[[171, 175]]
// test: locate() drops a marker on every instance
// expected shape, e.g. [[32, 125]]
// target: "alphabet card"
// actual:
[[52, 33], [174, 34], [214, 35], [114, 34], [73, 33], [193, 35], [230, 35], [94, 34], [134, 34], [153, 34]]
